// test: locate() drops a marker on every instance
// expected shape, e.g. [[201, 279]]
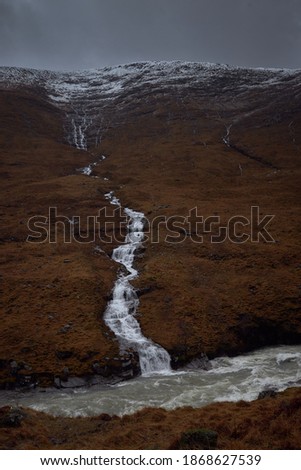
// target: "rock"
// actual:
[[65, 328], [97, 368], [13, 367], [267, 393], [201, 362], [11, 418], [144, 290], [205, 439], [127, 369], [99, 250], [74, 382], [127, 374], [57, 382], [64, 354], [25, 381], [65, 374]]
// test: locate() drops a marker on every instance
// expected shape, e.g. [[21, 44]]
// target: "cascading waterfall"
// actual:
[[226, 138], [120, 313], [78, 136], [79, 128]]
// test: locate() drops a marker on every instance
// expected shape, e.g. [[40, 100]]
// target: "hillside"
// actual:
[[175, 136]]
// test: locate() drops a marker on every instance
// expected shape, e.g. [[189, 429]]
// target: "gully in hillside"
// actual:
[[120, 312]]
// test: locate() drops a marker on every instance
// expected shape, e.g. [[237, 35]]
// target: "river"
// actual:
[[230, 379]]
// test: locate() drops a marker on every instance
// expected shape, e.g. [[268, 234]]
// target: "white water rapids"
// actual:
[[120, 313], [230, 379]]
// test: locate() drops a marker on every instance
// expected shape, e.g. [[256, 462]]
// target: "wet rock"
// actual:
[[201, 362], [204, 439], [65, 374], [13, 367], [73, 382], [127, 369], [105, 417], [101, 370], [267, 393], [8, 384], [57, 382], [26, 381]]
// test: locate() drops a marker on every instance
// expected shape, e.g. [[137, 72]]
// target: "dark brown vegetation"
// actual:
[[46, 287]]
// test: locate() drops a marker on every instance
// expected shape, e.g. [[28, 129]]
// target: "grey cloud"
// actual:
[[75, 34]]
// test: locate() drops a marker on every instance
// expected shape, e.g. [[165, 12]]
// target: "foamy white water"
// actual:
[[120, 313], [230, 379]]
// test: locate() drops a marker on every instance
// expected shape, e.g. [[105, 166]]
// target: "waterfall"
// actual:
[[226, 138], [120, 312], [78, 135]]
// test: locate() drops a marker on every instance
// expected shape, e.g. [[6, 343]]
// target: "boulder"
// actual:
[[11, 417], [267, 393], [204, 439]]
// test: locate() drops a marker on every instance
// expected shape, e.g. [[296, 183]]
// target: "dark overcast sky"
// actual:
[[76, 34]]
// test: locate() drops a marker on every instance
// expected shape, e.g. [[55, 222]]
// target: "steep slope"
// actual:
[[54, 294], [177, 136]]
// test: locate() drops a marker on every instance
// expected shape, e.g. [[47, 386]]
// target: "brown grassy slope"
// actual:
[[218, 298], [164, 158], [270, 423], [47, 286], [222, 298]]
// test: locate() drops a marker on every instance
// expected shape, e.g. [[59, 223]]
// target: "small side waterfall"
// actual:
[[120, 313], [78, 134], [226, 138]]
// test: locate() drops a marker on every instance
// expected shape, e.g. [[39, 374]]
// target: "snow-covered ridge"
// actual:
[[78, 89], [94, 100], [113, 79]]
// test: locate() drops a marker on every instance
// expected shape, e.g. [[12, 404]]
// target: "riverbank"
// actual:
[[267, 371], [267, 423]]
